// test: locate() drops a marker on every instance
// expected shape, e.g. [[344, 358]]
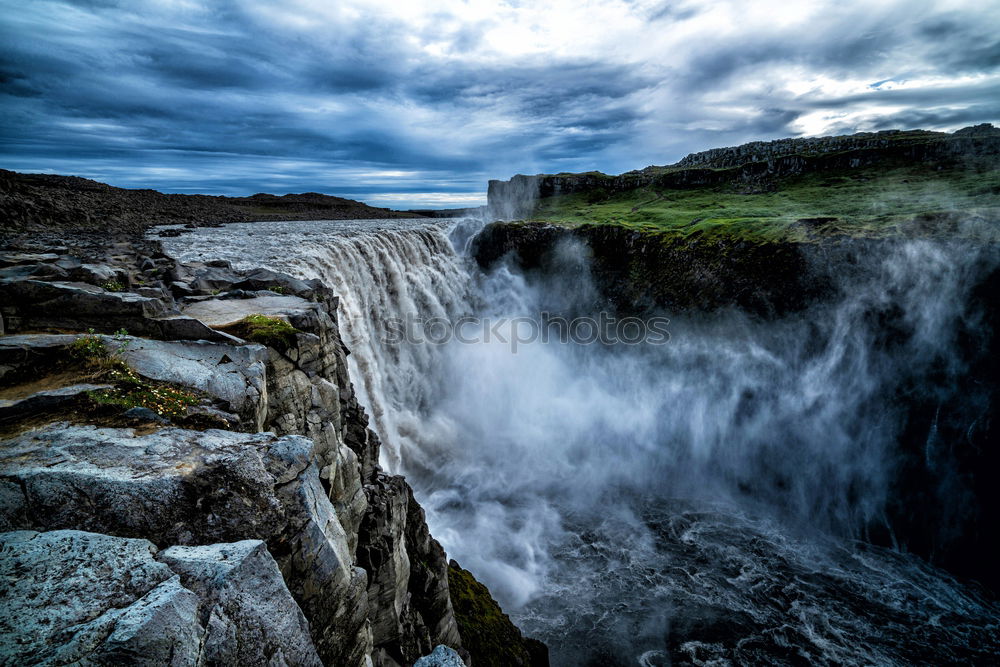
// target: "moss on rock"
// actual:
[[487, 633], [266, 330]]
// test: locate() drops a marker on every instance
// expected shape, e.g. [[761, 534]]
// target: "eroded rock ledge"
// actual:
[[254, 527]]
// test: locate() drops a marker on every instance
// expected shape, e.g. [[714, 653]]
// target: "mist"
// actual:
[[612, 495]]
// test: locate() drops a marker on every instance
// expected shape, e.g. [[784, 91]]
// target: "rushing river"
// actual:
[[693, 500]]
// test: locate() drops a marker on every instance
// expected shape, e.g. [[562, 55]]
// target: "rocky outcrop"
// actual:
[[79, 597], [638, 272], [488, 634], [761, 151], [350, 542], [246, 609], [196, 488], [752, 167]]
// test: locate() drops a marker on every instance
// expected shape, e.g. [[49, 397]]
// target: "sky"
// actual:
[[408, 103]]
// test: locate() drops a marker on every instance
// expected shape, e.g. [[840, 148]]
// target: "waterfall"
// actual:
[[401, 274], [648, 503]]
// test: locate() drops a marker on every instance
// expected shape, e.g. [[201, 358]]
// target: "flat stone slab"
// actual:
[[223, 312], [11, 409]]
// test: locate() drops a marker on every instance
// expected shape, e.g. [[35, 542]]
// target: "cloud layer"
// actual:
[[419, 103]]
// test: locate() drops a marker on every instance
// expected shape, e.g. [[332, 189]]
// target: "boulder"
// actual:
[[100, 274], [196, 488], [441, 656], [71, 597], [248, 614]]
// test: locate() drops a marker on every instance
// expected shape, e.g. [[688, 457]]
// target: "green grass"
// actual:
[[867, 203], [129, 390], [271, 331]]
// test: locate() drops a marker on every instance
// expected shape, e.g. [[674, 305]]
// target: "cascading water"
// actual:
[[641, 504]]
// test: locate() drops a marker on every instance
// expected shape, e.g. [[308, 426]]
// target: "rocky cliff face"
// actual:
[[257, 513], [754, 166]]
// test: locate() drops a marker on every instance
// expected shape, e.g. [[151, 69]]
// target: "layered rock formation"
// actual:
[[272, 537], [753, 166]]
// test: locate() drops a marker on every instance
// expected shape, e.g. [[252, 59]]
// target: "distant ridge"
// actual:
[[35, 203]]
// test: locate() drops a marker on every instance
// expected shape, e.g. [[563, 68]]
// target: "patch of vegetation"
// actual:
[[266, 330], [870, 202], [112, 286], [129, 390], [487, 633], [132, 392]]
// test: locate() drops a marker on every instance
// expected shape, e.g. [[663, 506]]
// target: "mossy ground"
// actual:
[[871, 202], [488, 633], [266, 330]]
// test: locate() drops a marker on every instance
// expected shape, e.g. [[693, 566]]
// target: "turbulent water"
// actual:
[[695, 501]]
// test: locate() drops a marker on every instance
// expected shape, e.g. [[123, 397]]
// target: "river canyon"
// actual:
[[742, 489]]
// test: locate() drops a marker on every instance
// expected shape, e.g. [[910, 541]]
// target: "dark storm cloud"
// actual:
[[242, 95]]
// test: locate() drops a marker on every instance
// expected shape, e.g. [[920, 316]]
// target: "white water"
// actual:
[[555, 474]]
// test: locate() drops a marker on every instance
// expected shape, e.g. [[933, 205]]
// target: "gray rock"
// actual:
[[180, 327], [442, 656], [222, 312], [68, 262], [141, 414], [221, 418], [212, 278], [98, 274], [265, 279], [233, 374], [66, 305], [40, 271], [154, 292], [76, 597], [249, 615], [50, 399], [188, 487], [9, 258], [180, 288]]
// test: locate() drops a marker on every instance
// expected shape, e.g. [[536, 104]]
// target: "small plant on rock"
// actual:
[[278, 289], [267, 330], [112, 286], [129, 390]]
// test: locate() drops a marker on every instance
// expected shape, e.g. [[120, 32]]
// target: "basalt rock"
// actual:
[[319, 507], [189, 488], [71, 597], [79, 597]]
